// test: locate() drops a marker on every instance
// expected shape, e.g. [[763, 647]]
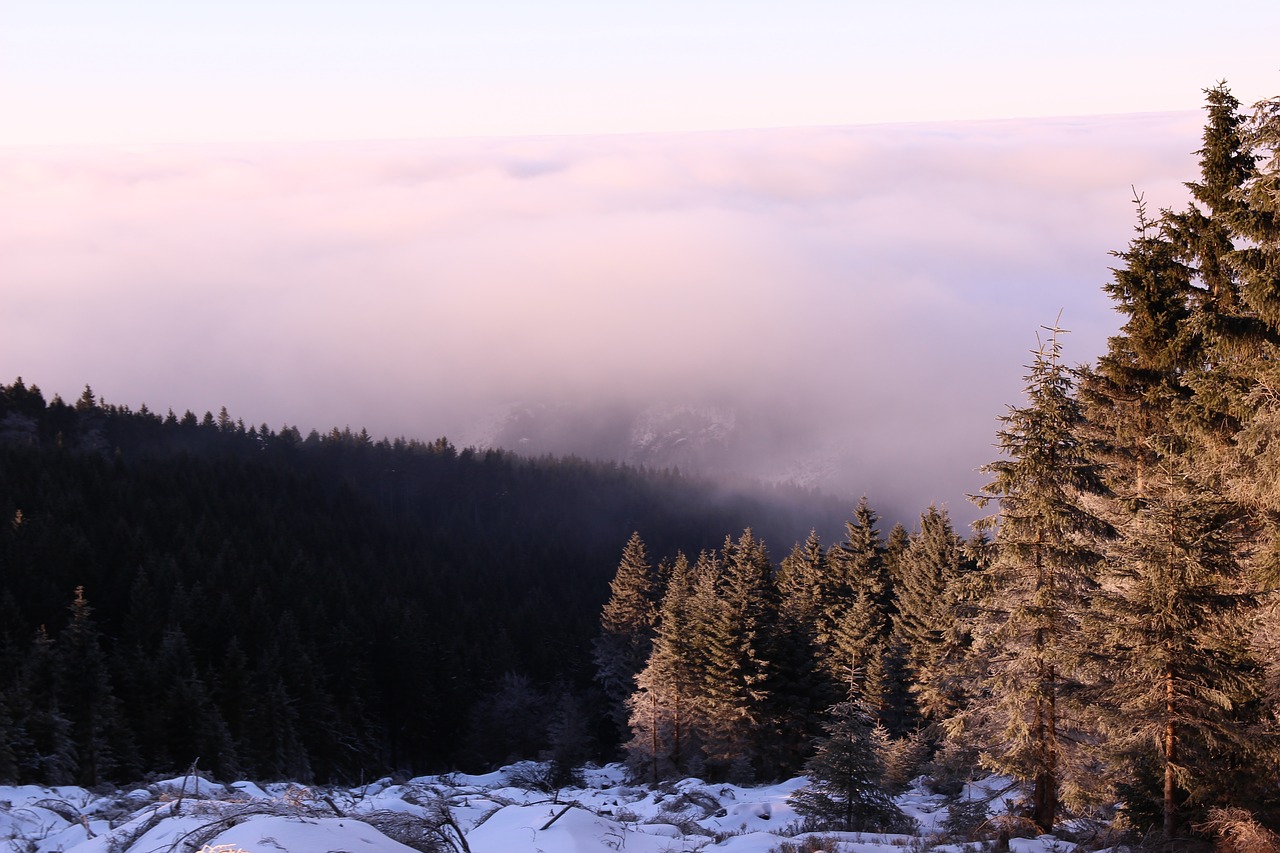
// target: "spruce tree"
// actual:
[[186, 716], [856, 653], [1255, 216], [569, 742], [1172, 678], [929, 625], [846, 790], [1255, 471], [1229, 336], [626, 627], [664, 720], [1247, 391], [1205, 231], [803, 578], [1170, 625], [12, 740], [899, 713], [739, 622], [1133, 390], [1035, 587], [895, 548], [802, 689], [277, 749], [50, 756], [87, 696]]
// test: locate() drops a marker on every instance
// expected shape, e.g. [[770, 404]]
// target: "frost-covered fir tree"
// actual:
[[859, 645], [46, 751], [1174, 683], [626, 627], [1035, 586], [664, 710], [1170, 623], [738, 615], [803, 581], [929, 627]]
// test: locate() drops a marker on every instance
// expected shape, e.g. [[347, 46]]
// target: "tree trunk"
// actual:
[[1045, 812], [1045, 795], [653, 734], [675, 751], [1170, 756]]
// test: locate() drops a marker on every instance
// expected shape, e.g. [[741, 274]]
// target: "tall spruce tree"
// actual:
[[1172, 678], [626, 627], [1252, 211], [1229, 335], [1035, 587], [1257, 457], [859, 645], [1205, 230], [1170, 625], [87, 696], [664, 720], [736, 612], [803, 581], [1255, 216], [1136, 385], [929, 625]]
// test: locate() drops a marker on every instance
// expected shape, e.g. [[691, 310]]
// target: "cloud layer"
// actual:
[[866, 296]]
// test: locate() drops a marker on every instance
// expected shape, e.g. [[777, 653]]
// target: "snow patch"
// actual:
[[388, 816]]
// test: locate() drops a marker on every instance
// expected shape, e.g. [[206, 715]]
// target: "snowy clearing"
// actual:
[[483, 814]]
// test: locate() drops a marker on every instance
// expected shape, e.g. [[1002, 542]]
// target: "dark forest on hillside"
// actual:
[[319, 607]]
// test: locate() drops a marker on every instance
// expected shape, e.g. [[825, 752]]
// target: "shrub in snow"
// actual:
[[901, 758], [1238, 832], [845, 778], [810, 844], [435, 832], [965, 818]]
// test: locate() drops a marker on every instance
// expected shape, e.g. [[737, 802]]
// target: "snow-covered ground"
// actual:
[[483, 814]]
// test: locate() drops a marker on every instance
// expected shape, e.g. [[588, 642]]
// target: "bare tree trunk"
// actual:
[[653, 734], [1045, 795], [675, 751], [1045, 798], [1170, 756]]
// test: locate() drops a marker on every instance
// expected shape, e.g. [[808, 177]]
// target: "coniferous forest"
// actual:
[[175, 589], [315, 607]]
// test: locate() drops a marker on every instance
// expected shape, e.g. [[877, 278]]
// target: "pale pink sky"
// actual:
[[89, 72]]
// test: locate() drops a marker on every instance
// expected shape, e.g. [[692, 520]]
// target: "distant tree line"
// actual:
[[1110, 634], [318, 607]]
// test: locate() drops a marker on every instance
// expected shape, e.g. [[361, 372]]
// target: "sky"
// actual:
[[89, 72], [843, 222]]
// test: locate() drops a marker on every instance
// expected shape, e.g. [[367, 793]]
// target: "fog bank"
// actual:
[[854, 305]]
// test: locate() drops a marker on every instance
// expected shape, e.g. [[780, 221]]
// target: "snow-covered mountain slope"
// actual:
[[711, 440], [480, 814]]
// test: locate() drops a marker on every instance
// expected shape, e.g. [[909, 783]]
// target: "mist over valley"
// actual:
[[848, 307]]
